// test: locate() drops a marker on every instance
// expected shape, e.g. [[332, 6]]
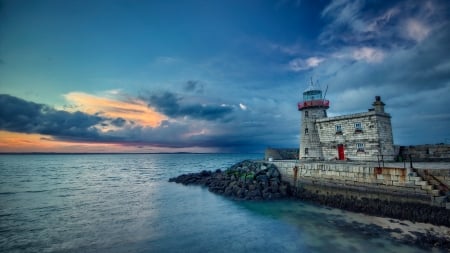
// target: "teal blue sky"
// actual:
[[95, 45], [221, 75]]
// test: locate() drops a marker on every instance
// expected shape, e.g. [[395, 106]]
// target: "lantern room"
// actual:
[[312, 97]]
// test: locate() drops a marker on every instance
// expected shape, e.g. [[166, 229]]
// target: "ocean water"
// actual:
[[124, 203]]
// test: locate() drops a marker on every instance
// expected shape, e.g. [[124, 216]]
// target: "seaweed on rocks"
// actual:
[[415, 212]]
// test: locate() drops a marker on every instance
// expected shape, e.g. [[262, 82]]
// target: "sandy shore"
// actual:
[[424, 235]]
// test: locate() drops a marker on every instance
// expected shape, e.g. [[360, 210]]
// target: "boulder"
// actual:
[[250, 180]]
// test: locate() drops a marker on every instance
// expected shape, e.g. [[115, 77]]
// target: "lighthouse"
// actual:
[[313, 107]]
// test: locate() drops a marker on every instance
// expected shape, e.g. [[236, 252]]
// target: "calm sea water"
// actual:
[[123, 203]]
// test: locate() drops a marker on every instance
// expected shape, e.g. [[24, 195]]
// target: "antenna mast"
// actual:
[[325, 93]]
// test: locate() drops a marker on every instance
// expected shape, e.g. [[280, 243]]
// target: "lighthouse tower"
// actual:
[[313, 107]]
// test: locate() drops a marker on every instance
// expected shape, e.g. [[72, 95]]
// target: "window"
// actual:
[[338, 129], [359, 147], [358, 127], [306, 130], [306, 114], [306, 151]]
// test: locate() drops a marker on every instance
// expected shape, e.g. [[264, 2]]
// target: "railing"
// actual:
[[405, 159], [441, 186], [313, 103]]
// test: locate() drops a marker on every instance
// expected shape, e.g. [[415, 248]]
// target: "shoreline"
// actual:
[[410, 223], [422, 235]]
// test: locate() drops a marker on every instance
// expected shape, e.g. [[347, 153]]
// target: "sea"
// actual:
[[124, 203]]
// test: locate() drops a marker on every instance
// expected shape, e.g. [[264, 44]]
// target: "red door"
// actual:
[[341, 152]]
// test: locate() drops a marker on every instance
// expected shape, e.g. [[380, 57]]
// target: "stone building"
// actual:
[[360, 136]]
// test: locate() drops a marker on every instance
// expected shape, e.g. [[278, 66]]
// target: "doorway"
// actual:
[[341, 155]]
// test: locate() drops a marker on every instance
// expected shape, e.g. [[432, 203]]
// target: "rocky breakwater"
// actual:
[[247, 180]]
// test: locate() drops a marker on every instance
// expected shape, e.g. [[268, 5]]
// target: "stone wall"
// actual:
[[281, 154], [362, 143], [310, 146], [360, 180], [424, 153]]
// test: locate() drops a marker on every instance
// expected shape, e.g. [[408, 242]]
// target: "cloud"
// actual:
[[118, 106], [192, 126], [416, 30], [299, 64], [381, 24], [411, 81], [118, 122], [344, 17], [171, 105], [367, 54], [18, 115]]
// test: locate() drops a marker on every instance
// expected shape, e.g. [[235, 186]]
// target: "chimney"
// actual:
[[378, 105]]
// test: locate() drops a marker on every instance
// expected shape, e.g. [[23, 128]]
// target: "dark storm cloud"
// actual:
[[118, 122], [425, 66], [18, 115], [170, 104], [421, 68], [232, 136], [412, 80]]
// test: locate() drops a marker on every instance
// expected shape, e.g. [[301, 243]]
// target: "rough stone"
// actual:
[[247, 180]]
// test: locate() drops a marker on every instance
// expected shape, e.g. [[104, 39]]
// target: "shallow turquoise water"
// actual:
[[123, 203]]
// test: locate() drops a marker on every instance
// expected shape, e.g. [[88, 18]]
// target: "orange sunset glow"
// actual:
[[134, 110], [19, 142]]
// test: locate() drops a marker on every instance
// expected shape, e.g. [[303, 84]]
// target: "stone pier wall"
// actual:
[[426, 153], [358, 180], [281, 154]]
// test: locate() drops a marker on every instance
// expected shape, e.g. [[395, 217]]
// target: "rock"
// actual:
[[228, 191], [284, 190], [248, 180], [205, 173], [262, 178]]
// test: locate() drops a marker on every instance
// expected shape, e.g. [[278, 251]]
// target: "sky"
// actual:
[[214, 76]]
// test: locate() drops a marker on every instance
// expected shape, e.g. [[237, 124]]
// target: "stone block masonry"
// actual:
[[361, 180], [373, 136], [361, 187], [426, 153], [281, 154]]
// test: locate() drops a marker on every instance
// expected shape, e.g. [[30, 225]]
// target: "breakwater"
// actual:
[[388, 192], [260, 180], [363, 180]]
